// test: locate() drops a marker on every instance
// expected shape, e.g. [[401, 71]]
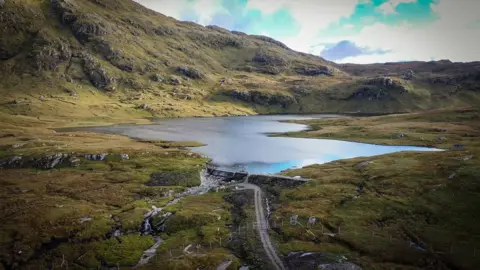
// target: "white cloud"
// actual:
[[452, 36], [312, 16], [205, 9], [390, 6]]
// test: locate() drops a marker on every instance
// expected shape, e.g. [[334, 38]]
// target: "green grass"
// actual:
[[376, 211]]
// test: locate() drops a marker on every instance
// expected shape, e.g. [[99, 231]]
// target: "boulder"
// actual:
[[2, 3], [458, 147], [96, 157], [408, 74], [157, 78]]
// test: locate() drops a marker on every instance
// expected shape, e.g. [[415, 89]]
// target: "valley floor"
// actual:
[[397, 211]]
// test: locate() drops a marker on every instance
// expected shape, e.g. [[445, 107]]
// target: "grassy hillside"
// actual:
[[117, 59], [397, 211]]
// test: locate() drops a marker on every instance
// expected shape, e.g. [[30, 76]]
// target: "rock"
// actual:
[[42, 98], [301, 90], [439, 130], [458, 147], [74, 161], [124, 156], [115, 56], [381, 81], [362, 164], [85, 219], [467, 158], [174, 80], [18, 145], [49, 51], [13, 162], [267, 39], [316, 71], [157, 78], [451, 176], [71, 92], [97, 74], [117, 233], [143, 107], [408, 74], [190, 72], [442, 139], [399, 135], [87, 27], [2, 3], [261, 98], [95, 157]]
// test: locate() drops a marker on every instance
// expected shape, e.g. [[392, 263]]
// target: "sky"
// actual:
[[347, 31]]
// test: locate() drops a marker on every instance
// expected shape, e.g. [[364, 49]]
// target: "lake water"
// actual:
[[242, 142]]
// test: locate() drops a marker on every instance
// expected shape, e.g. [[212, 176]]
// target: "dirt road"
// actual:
[[262, 226]]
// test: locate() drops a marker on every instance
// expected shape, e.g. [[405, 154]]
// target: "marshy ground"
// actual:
[[397, 211]]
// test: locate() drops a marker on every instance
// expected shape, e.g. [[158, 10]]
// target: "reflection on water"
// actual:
[[236, 142]]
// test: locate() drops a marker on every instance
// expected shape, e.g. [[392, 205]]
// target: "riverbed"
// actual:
[[242, 143]]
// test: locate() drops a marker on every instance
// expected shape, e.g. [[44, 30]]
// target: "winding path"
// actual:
[[262, 225]]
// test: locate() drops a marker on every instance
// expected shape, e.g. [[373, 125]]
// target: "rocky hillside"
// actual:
[[104, 58]]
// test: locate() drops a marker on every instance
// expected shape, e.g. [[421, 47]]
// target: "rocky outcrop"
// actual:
[[18, 24], [218, 39], [85, 27], [301, 90], [269, 62], [49, 51], [408, 74], [97, 74], [190, 72], [270, 40], [88, 27], [164, 30], [378, 89], [315, 71], [40, 162], [114, 56], [261, 98]]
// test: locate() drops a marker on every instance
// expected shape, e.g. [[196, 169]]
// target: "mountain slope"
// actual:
[[110, 58]]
